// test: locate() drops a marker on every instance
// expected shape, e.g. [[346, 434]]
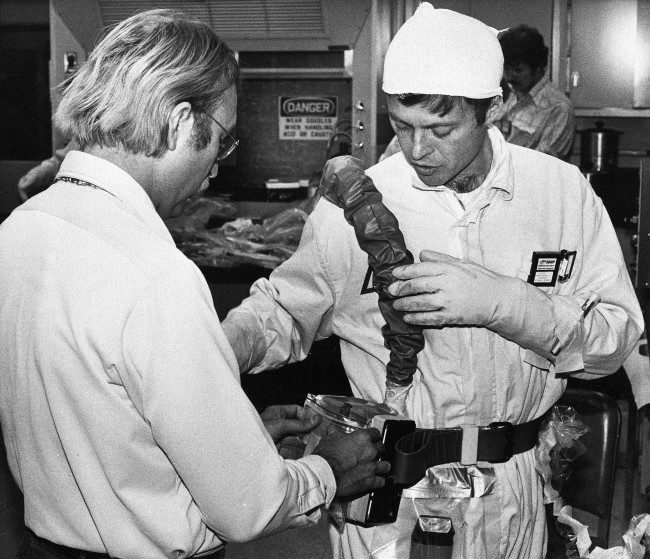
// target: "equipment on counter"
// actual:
[[598, 149], [345, 184]]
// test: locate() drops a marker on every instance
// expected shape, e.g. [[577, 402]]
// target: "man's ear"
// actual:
[[494, 110], [181, 122]]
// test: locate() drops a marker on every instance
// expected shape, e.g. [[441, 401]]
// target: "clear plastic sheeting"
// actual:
[[198, 213], [407, 537], [454, 482], [432, 538], [558, 448], [266, 243], [342, 414], [636, 540]]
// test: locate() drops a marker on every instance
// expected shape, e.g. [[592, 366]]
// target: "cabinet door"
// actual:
[[603, 40]]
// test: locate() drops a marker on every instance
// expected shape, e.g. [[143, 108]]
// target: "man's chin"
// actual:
[[431, 180]]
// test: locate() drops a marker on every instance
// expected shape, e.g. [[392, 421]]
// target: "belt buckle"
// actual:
[[501, 441]]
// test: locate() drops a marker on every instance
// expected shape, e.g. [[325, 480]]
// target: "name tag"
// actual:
[[549, 268]]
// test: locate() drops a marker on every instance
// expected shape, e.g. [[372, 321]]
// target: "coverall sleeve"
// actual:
[[601, 341], [590, 346], [184, 382], [285, 314]]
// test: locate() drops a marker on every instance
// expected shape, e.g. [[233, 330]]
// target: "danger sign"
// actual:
[[307, 118]]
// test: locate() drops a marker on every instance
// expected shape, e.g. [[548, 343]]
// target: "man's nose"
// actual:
[[214, 171], [421, 145]]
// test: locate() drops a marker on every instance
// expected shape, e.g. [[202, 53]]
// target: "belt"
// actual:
[[495, 443], [63, 552]]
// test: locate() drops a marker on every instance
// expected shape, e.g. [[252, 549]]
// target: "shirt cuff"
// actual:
[[323, 471], [570, 334]]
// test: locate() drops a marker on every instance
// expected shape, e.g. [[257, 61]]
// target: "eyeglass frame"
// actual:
[[234, 142]]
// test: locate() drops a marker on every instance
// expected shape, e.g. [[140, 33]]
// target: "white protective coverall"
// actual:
[[529, 202]]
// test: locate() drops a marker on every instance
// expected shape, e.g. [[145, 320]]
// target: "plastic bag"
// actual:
[[342, 414], [636, 541], [265, 243], [198, 213], [558, 447]]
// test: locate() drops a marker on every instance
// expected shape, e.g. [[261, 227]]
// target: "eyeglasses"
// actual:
[[227, 145], [517, 69]]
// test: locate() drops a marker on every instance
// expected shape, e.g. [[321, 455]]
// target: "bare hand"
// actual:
[[283, 424], [287, 420], [37, 179], [442, 290], [353, 459]]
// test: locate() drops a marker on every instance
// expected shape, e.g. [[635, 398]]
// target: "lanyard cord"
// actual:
[[80, 182]]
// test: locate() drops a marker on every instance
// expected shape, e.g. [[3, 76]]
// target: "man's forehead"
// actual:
[[432, 114]]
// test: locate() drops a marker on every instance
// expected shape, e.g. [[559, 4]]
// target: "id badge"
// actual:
[[549, 268]]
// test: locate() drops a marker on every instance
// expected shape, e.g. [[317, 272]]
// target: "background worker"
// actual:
[[477, 212], [536, 115], [124, 421]]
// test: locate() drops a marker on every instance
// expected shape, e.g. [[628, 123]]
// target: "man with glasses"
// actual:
[[125, 424]]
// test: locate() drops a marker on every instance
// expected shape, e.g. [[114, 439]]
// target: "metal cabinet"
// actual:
[[606, 63]]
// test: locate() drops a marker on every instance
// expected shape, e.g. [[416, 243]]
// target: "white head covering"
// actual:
[[444, 52]]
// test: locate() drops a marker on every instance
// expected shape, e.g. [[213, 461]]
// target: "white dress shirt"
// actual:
[[125, 424]]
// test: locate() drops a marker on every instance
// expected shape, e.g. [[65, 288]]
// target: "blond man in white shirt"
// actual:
[[121, 409]]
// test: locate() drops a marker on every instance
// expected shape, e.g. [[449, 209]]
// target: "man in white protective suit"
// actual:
[[519, 281]]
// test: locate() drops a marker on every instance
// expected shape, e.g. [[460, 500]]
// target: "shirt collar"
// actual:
[[117, 182], [497, 178], [536, 90]]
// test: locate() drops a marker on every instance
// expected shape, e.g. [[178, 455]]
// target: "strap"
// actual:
[[65, 178], [495, 443]]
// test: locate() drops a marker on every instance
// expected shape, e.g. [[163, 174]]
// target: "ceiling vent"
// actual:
[[246, 25]]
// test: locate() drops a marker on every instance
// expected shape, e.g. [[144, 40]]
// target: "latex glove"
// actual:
[[353, 459], [442, 291]]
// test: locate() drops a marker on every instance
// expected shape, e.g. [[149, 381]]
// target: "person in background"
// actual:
[[40, 177], [123, 417], [534, 114], [486, 220]]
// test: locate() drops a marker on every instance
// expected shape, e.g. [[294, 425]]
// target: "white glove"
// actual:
[[443, 291]]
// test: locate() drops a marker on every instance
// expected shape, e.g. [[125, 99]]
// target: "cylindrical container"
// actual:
[[432, 538], [599, 149]]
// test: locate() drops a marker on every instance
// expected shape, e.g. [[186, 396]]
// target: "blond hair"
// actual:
[[123, 95]]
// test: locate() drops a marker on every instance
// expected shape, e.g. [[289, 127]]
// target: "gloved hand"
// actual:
[[442, 291]]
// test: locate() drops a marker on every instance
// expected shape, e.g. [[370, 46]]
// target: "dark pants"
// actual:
[[33, 547]]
